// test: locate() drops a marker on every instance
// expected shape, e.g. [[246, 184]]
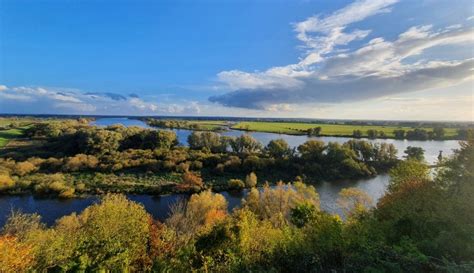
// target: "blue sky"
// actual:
[[378, 59]]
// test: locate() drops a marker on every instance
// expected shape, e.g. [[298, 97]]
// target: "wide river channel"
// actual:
[[51, 209]]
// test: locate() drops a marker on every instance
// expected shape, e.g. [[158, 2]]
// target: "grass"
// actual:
[[7, 135], [210, 125], [299, 128], [5, 121]]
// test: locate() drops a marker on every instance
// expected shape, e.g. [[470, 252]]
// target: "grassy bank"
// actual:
[[201, 125], [7, 135], [300, 128]]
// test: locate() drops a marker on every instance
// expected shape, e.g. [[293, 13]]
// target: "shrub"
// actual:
[[192, 181], [24, 168], [236, 184], [251, 180], [6, 182]]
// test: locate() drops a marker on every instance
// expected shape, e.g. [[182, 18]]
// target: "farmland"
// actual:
[[300, 128]]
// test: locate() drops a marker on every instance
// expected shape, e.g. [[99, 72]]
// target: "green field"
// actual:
[[204, 125], [299, 128], [18, 122], [210, 125], [7, 135]]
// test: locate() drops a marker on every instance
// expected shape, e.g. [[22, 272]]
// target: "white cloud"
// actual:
[[321, 34], [327, 74], [41, 100]]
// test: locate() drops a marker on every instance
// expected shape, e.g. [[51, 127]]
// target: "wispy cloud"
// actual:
[[330, 73], [24, 99]]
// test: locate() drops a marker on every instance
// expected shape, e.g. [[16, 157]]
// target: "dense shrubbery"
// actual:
[[422, 224]]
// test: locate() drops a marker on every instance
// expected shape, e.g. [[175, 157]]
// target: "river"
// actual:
[[51, 209]]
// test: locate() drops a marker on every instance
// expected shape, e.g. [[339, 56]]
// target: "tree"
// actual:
[[385, 153], [464, 134], [371, 133], [406, 171], [115, 234], [417, 134], [24, 168], [353, 201], [192, 181], [303, 213], [201, 212], [251, 180], [80, 162], [312, 150], [357, 133], [278, 148], [399, 133], [98, 141], [14, 255], [209, 140], [245, 144], [365, 150], [6, 182], [316, 131], [275, 204], [159, 139], [19, 224], [438, 132], [415, 153], [236, 184]]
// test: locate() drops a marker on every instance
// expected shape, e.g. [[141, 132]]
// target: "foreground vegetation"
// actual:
[[422, 224], [67, 158], [352, 130]]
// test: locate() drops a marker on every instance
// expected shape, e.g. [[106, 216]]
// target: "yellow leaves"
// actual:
[[24, 168], [201, 212], [214, 216], [14, 256], [190, 181], [256, 237], [80, 162], [6, 182], [275, 203], [353, 201]]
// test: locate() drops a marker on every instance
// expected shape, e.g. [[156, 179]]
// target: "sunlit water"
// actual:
[[51, 209]]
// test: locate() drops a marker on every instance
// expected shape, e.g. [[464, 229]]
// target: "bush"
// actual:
[[24, 168], [236, 184], [251, 180], [191, 181], [6, 182]]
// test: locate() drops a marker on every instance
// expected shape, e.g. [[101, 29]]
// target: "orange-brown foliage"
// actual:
[[14, 256]]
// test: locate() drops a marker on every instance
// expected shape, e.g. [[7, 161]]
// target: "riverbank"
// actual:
[[341, 130]]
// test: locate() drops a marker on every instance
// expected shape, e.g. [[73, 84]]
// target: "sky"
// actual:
[[363, 59]]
